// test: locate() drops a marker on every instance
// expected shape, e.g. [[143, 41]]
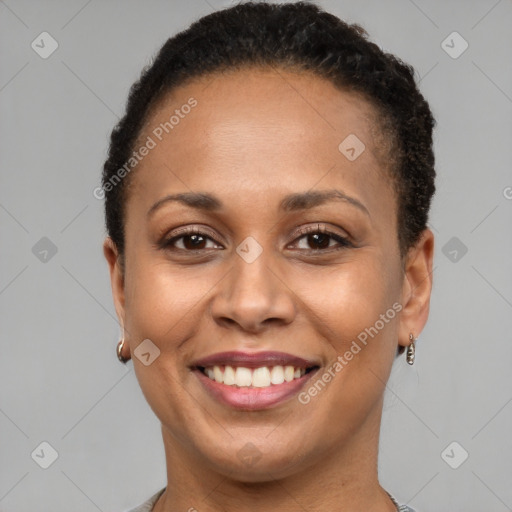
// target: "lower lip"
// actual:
[[251, 399]]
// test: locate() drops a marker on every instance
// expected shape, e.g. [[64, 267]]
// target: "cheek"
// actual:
[[358, 306], [351, 298], [161, 306], [162, 298], [337, 306], [165, 303]]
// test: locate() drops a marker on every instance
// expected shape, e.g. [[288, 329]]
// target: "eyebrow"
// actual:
[[291, 202]]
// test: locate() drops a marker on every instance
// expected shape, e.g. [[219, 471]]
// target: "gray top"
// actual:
[[148, 505]]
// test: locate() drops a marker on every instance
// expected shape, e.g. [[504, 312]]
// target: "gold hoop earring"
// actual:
[[411, 350], [119, 350]]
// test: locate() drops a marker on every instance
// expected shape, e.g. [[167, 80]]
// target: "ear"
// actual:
[[114, 261], [416, 288]]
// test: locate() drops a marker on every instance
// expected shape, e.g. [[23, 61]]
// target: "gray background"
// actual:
[[60, 381]]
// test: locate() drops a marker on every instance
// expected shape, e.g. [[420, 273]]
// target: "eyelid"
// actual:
[[187, 230], [343, 240], [319, 227], [171, 237]]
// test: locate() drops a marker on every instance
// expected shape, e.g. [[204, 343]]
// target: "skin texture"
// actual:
[[255, 136]]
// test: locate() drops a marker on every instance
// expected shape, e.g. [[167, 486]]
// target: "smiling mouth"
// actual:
[[259, 377]]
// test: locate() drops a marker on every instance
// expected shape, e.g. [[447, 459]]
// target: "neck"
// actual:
[[345, 480]]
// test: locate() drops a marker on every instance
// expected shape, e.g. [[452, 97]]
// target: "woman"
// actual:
[[267, 196]]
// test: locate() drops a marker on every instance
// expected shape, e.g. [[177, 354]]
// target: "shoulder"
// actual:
[[148, 505]]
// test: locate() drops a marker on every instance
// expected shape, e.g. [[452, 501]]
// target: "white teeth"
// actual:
[[243, 376], [229, 375], [277, 375], [218, 374], [289, 372], [261, 377]]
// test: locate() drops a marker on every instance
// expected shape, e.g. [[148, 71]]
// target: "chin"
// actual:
[[256, 462]]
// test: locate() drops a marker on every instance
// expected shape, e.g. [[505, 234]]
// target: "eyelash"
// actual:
[[344, 242]]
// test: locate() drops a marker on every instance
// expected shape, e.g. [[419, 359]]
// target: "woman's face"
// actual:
[[296, 264]]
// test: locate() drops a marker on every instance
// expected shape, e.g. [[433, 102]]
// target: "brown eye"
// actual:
[[317, 239], [193, 241], [189, 240]]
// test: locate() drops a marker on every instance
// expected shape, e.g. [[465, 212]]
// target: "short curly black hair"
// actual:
[[298, 36]]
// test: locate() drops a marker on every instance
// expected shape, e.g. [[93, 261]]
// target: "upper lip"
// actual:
[[253, 360]]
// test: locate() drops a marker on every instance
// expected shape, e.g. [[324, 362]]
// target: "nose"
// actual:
[[253, 296]]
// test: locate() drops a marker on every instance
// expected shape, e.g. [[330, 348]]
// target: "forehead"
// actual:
[[259, 133]]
